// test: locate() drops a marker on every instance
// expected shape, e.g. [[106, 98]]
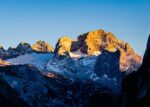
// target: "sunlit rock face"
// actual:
[[42, 46], [63, 46], [136, 86], [94, 42]]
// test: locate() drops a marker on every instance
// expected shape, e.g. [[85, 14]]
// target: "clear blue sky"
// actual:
[[32, 20]]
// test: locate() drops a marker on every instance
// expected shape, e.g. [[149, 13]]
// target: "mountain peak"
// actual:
[[42, 46], [24, 47], [93, 43], [63, 45]]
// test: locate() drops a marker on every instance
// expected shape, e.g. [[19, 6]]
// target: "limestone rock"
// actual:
[[42, 46], [94, 42], [63, 46]]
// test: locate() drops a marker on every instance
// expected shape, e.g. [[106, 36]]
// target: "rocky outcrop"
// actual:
[[107, 64], [93, 43], [136, 86], [63, 46], [12, 53], [21, 49], [24, 48], [42, 46]]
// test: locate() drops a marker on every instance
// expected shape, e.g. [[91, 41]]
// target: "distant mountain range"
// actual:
[[96, 70], [88, 44]]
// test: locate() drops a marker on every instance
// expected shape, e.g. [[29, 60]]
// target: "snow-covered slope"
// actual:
[[38, 60], [78, 68]]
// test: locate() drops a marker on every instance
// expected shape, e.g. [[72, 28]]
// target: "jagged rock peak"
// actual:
[[42, 46], [100, 40], [63, 46], [108, 64], [94, 42], [23, 46]]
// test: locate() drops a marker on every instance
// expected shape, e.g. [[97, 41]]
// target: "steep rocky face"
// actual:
[[21, 49], [12, 51], [104, 68], [24, 48], [136, 87], [63, 46], [42, 46], [93, 43]]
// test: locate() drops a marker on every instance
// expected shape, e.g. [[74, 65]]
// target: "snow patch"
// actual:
[[77, 54], [36, 59]]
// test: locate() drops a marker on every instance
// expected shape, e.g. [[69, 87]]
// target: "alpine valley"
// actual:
[[95, 70]]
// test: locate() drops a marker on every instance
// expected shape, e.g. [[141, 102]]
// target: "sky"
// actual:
[[48, 20]]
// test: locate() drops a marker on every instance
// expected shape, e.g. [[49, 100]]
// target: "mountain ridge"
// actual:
[[63, 81], [88, 44], [93, 43]]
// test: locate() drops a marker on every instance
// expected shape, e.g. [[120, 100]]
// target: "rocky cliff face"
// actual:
[[136, 86], [63, 46], [93, 43], [104, 68], [23, 48], [42, 46]]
